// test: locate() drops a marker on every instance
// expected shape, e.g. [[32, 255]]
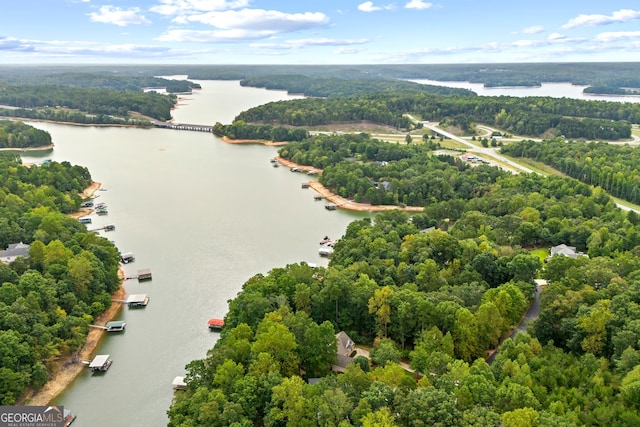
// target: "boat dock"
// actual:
[[137, 300], [178, 383], [144, 274], [109, 227], [215, 324], [127, 257], [100, 363], [113, 326]]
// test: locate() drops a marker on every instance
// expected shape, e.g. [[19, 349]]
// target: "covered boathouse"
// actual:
[[144, 274], [215, 324], [115, 326], [100, 363], [137, 300]]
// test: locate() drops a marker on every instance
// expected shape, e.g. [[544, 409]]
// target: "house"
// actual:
[[568, 251], [13, 251], [345, 351]]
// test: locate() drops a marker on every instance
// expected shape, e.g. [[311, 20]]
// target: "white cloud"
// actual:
[[302, 43], [556, 37], [260, 23], [620, 16], [213, 36], [612, 36], [418, 4], [182, 7], [347, 51], [533, 30], [370, 7], [121, 17]]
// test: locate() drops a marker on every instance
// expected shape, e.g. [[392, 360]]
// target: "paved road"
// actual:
[[490, 152], [532, 314]]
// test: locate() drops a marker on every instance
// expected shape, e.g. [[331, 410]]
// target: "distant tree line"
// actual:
[[522, 116], [97, 79], [48, 299], [15, 134], [240, 130], [612, 167], [341, 87], [88, 100], [72, 116]]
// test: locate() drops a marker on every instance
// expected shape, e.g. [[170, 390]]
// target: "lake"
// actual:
[[554, 90], [204, 216]]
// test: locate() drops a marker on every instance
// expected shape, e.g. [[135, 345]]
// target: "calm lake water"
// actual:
[[555, 90], [204, 216]]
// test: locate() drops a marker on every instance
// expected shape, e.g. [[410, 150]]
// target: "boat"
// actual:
[[330, 207], [127, 257], [276, 165], [215, 324], [325, 240], [109, 227]]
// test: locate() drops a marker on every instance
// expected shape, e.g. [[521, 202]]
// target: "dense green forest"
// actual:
[[48, 299], [14, 134], [89, 100], [340, 87], [612, 167], [108, 80], [438, 299], [241, 130], [65, 115], [597, 74], [522, 116]]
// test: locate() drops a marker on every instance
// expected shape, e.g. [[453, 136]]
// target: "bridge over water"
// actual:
[[184, 126]]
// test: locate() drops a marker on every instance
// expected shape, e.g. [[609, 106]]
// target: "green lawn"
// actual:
[[541, 253]]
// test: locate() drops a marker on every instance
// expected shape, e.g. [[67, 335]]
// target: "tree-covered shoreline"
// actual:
[[436, 290]]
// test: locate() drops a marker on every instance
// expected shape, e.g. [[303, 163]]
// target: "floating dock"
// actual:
[[178, 383], [100, 363], [115, 326], [144, 274], [127, 257], [215, 324], [137, 300]]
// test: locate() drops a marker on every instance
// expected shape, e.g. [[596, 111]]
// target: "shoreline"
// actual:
[[67, 368], [41, 148], [340, 201], [253, 141]]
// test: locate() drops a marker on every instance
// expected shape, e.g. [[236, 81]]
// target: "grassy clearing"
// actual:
[[537, 167], [541, 253]]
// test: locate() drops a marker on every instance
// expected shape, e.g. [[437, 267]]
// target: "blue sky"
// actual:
[[318, 31]]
